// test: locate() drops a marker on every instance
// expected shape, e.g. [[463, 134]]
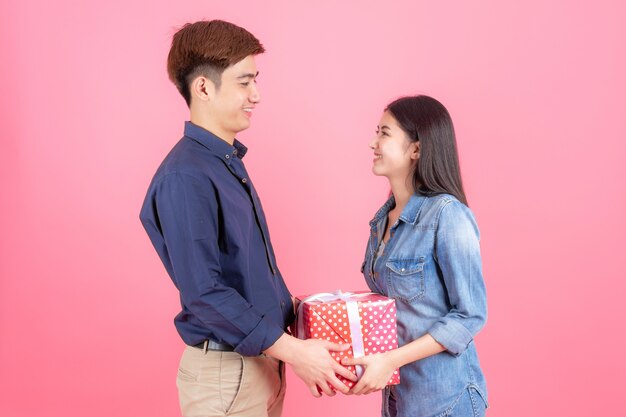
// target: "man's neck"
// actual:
[[200, 119]]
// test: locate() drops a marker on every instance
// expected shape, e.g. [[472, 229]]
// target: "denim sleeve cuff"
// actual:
[[264, 335], [452, 335]]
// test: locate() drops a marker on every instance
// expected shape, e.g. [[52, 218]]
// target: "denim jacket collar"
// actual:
[[412, 209], [383, 211], [409, 214], [218, 146]]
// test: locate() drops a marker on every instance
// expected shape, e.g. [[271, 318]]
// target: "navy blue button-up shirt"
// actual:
[[205, 220]]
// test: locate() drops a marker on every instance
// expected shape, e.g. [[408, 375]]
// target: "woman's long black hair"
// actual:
[[426, 120]]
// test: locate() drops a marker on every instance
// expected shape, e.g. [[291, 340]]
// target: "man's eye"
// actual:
[[245, 84]]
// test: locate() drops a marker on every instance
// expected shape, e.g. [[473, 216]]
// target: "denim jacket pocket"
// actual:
[[405, 278]]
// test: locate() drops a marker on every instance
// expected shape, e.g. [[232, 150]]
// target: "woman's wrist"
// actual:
[[396, 358]]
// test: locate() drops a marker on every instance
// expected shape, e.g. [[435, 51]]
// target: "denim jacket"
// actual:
[[431, 266]]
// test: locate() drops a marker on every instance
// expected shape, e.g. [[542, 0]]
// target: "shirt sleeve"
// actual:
[[188, 216], [457, 252]]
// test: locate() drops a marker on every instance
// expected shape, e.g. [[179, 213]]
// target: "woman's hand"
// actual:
[[378, 371]]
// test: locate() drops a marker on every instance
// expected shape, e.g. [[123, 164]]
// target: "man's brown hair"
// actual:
[[207, 48]]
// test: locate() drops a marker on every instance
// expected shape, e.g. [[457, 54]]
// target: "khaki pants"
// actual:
[[217, 383]]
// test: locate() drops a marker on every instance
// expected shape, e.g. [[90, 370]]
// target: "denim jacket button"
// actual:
[[244, 180]]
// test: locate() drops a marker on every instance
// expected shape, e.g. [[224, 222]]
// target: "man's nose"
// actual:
[[255, 96]]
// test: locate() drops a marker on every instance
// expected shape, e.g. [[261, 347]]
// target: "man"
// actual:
[[205, 220]]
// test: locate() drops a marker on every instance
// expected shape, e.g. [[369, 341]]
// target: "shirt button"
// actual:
[[235, 152], [244, 180]]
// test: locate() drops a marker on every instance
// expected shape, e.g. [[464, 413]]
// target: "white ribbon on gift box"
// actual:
[[352, 308]]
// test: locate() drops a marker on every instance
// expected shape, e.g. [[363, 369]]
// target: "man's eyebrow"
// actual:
[[383, 127], [248, 75]]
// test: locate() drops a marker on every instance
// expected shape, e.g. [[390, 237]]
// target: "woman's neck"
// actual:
[[402, 191]]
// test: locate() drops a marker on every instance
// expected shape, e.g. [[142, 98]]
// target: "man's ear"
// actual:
[[415, 152], [202, 89]]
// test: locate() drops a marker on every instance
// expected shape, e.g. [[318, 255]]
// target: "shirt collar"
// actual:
[[409, 213], [412, 208], [219, 147], [383, 211]]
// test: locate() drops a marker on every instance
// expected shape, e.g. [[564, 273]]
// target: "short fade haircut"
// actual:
[[207, 48]]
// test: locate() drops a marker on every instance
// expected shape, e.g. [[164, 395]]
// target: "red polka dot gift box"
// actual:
[[367, 321]]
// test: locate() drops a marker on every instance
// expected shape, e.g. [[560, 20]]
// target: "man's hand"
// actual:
[[378, 370], [312, 362], [317, 368]]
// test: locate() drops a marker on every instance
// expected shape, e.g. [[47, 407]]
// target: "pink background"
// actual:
[[537, 92]]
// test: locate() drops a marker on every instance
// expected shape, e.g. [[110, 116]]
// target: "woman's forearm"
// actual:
[[420, 348]]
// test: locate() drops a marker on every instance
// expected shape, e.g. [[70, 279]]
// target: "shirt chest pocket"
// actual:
[[405, 278]]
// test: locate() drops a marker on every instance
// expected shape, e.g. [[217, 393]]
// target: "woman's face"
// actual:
[[394, 153]]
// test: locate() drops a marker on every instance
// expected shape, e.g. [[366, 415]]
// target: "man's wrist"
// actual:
[[283, 349]]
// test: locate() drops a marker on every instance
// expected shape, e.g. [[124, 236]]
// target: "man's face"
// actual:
[[232, 105]]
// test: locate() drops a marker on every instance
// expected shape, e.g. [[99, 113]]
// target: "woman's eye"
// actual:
[[247, 83]]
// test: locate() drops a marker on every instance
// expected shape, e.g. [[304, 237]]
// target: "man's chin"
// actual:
[[243, 126]]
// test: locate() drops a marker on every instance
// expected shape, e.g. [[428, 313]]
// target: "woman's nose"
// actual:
[[373, 143]]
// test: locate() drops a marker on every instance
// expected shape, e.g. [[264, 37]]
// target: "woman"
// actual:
[[423, 251]]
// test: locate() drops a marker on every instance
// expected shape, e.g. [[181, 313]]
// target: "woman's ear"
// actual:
[[415, 151]]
